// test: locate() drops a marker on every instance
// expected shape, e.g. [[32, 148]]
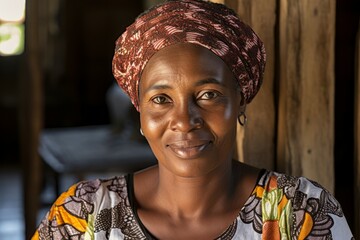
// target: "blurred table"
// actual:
[[94, 149]]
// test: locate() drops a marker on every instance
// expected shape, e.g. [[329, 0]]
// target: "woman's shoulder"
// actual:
[[303, 192], [292, 186], [95, 190]]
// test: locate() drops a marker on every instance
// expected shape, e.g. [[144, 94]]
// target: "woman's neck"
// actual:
[[195, 197]]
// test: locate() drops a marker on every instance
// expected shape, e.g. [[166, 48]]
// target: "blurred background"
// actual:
[[56, 84]]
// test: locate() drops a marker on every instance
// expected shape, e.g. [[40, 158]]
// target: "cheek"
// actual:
[[152, 125], [224, 126], [224, 122]]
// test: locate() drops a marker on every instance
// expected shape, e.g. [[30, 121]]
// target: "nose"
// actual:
[[187, 117]]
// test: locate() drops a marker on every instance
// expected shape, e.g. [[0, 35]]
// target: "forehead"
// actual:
[[185, 60]]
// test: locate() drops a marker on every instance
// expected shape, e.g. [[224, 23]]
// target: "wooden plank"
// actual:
[[306, 89], [30, 118], [256, 144], [357, 139], [218, 1]]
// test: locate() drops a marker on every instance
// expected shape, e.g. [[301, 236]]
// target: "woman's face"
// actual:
[[189, 103]]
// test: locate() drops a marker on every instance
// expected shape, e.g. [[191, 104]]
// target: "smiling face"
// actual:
[[189, 103]]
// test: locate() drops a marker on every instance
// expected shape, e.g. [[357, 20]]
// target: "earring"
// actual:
[[141, 132], [242, 119]]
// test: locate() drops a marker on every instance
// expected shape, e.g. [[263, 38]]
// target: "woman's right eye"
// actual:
[[160, 99]]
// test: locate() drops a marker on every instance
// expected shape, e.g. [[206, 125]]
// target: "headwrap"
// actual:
[[211, 25]]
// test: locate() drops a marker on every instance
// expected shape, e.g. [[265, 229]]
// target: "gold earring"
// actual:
[[242, 119]]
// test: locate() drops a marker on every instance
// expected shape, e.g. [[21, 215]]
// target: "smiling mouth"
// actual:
[[188, 151]]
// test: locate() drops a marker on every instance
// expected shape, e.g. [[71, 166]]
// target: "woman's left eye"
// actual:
[[208, 95]]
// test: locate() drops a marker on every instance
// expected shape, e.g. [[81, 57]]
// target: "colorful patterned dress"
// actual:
[[280, 207]]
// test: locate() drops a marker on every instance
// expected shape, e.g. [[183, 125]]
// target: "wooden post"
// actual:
[[256, 144], [306, 90], [30, 118], [357, 138]]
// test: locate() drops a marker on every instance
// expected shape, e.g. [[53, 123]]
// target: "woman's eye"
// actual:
[[160, 100], [209, 95]]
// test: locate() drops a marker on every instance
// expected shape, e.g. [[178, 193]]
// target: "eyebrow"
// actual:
[[209, 81]]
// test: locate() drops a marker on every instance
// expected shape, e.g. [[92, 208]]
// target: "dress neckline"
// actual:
[[133, 204]]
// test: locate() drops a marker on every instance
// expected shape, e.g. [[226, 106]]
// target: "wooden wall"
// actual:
[[306, 89], [291, 123]]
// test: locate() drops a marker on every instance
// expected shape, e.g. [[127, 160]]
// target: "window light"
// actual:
[[11, 39], [12, 10]]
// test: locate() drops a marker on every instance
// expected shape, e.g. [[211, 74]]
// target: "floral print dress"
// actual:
[[280, 207]]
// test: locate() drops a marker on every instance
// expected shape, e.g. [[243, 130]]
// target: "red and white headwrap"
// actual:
[[211, 25]]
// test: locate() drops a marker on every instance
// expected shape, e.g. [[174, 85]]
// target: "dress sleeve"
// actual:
[[299, 208], [318, 214], [67, 218]]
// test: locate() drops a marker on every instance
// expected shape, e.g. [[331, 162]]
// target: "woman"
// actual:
[[190, 67]]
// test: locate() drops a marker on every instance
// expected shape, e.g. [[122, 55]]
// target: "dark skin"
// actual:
[[189, 104]]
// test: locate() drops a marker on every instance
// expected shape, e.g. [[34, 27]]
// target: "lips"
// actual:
[[189, 149]]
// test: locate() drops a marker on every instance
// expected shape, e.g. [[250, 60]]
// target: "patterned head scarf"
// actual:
[[211, 25]]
